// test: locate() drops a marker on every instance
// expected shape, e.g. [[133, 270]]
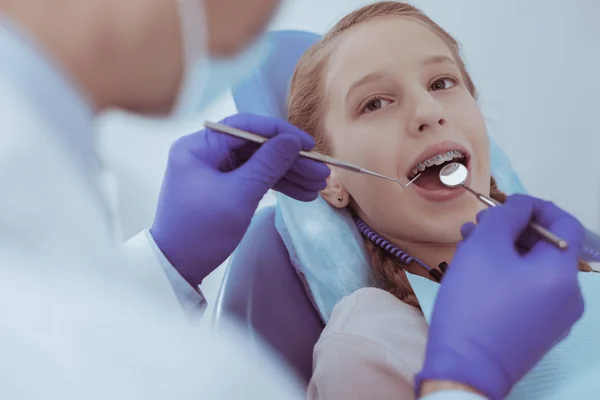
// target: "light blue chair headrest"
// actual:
[[265, 91], [324, 245]]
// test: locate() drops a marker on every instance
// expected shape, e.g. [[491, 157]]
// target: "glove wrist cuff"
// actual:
[[481, 375]]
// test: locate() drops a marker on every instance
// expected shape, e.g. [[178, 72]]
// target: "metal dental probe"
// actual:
[[455, 174], [306, 154]]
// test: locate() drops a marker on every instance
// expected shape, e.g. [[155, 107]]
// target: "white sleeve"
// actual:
[[146, 256], [453, 395], [76, 333]]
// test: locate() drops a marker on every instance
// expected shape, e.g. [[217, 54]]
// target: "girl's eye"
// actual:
[[375, 105], [443, 84]]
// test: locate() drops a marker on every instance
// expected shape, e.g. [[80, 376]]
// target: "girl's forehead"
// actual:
[[393, 44]]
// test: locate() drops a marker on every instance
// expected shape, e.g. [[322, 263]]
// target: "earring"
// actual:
[[340, 199]]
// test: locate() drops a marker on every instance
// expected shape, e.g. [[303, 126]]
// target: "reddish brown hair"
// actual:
[[306, 108]]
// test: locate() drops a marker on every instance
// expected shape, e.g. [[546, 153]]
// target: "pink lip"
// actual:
[[444, 194]]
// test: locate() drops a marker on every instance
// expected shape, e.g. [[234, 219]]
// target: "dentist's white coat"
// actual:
[[80, 319]]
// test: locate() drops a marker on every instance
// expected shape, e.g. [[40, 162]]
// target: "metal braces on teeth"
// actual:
[[437, 160]]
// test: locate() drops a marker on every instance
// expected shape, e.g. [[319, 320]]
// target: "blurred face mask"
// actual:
[[205, 77]]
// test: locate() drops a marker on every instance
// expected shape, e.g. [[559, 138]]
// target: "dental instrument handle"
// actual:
[[485, 200], [545, 233], [261, 139], [306, 154], [551, 237], [375, 174]]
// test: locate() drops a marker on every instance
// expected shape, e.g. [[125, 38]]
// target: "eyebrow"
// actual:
[[438, 60], [377, 75], [371, 77]]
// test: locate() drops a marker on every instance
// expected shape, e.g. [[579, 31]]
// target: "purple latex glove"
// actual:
[[214, 182], [500, 308]]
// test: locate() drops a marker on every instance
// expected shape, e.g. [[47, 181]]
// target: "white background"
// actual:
[[536, 65]]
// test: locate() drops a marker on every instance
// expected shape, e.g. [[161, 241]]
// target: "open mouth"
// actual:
[[431, 167]]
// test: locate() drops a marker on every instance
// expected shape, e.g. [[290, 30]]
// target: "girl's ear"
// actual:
[[335, 193]]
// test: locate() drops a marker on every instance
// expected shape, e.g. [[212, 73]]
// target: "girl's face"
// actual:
[[394, 99]]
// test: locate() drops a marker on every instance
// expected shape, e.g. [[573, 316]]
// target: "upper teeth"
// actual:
[[438, 159]]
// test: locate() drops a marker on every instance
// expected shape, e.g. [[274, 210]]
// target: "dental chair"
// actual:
[[261, 288]]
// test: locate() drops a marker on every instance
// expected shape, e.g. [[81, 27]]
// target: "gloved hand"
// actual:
[[500, 309], [214, 182]]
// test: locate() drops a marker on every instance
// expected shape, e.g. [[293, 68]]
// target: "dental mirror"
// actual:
[[454, 174]]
